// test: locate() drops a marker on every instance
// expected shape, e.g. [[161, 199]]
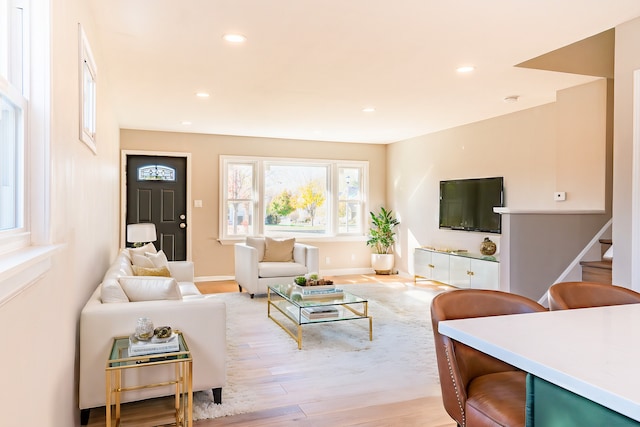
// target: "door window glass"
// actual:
[[156, 173]]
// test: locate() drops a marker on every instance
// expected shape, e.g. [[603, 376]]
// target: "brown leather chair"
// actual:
[[477, 389], [567, 295]]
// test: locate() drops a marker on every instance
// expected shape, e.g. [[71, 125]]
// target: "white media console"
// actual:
[[459, 269]]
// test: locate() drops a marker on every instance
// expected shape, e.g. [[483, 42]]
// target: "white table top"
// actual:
[[593, 352]]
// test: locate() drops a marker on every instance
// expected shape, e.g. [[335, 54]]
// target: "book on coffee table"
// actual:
[[324, 291], [320, 312]]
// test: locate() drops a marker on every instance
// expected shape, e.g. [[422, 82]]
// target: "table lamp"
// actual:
[[140, 234]]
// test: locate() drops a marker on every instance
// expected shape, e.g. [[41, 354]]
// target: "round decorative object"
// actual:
[[144, 329], [162, 332], [487, 247]]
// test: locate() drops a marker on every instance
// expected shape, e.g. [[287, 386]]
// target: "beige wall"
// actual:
[[556, 147], [211, 258], [40, 364], [627, 61]]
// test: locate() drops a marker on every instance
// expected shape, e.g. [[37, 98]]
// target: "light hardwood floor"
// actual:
[[423, 412]]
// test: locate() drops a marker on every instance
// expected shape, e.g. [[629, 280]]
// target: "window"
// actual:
[[292, 197], [13, 108], [88, 106]]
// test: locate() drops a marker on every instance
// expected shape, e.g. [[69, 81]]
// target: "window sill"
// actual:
[[305, 239], [22, 268]]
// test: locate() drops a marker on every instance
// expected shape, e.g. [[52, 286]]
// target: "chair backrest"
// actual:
[[458, 364], [568, 295]]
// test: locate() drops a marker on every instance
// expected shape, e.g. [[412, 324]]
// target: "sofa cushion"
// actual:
[[278, 250], [155, 271], [142, 249], [111, 291], [281, 269], [258, 244], [158, 259], [188, 289], [141, 261], [147, 288]]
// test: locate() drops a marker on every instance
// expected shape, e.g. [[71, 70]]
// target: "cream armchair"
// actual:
[[261, 262]]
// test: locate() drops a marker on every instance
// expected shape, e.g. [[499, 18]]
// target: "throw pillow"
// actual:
[[158, 259], [150, 288], [142, 249], [141, 261], [155, 271], [278, 250]]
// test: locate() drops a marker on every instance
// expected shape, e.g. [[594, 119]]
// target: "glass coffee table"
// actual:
[[315, 309]]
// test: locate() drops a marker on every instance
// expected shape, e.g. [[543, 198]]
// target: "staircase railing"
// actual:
[[575, 264]]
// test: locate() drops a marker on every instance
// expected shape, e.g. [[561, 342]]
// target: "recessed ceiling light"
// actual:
[[465, 69], [186, 122], [235, 38], [202, 94], [511, 99], [368, 110]]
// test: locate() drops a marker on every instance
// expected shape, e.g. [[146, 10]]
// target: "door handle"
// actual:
[[183, 225]]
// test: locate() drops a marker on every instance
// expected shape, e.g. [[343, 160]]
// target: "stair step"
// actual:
[[604, 264], [606, 241], [596, 271]]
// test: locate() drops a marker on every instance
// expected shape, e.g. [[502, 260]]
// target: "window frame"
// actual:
[[14, 87], [26, 253], [88, 99], [259, 208]]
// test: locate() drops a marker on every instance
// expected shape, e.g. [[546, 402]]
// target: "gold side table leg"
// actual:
[[177, 394], [108, 403], [299, 337], [117, 395], [190, 393]]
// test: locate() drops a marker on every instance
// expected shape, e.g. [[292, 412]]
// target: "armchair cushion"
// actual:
[[278, 250], [281, 269]]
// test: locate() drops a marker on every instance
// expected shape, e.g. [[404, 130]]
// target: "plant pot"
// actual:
[[382, 263]]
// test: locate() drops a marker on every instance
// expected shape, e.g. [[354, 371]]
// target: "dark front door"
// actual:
[[157, 193]]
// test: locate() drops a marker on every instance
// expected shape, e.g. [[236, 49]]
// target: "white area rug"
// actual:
[[337, 360]]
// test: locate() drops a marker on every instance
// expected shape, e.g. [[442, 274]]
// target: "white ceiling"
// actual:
[[309, 67]]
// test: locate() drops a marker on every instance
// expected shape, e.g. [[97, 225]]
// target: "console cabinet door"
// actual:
[[486, 274], [440, 262], [422, 264], [460, 272]]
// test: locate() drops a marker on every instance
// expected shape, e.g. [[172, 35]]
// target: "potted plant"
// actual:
[[382, 237]]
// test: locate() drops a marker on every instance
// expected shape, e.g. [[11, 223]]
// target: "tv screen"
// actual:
[[467, 204]]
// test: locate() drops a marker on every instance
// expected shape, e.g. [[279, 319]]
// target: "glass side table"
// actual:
[[119, 360]]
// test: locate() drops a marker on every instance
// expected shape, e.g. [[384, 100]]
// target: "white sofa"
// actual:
[[201, 319], [254, 271]]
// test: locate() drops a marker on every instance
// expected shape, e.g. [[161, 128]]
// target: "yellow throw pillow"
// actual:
[[278, 250], [156, 271]]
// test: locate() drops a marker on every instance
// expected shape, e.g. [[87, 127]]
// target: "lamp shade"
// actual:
[[141, 233]]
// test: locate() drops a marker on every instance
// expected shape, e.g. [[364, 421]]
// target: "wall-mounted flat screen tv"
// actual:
[[467, 204]]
